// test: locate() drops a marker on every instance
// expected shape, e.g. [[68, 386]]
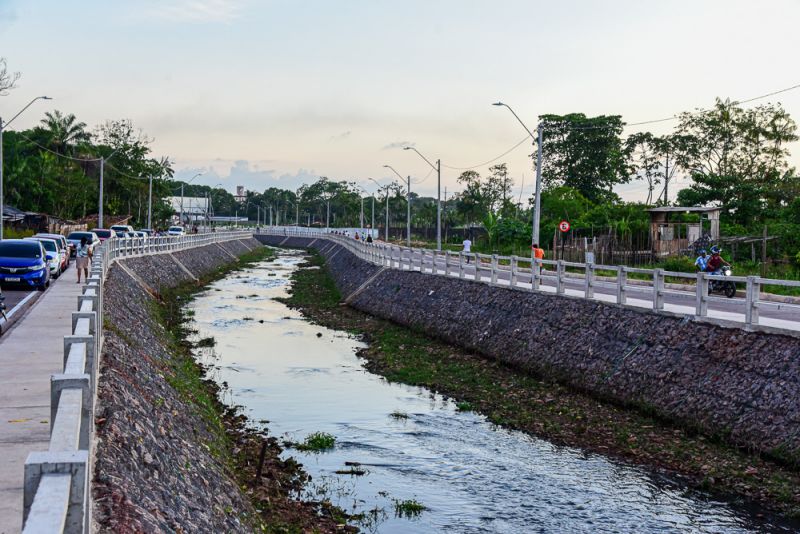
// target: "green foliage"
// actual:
[[585, 153], [408, 508], [316, 442]]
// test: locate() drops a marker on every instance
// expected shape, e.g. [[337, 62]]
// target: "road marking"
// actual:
[[19, 305]]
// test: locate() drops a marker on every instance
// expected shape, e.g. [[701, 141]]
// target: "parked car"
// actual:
[[53, 253], [63, 246], [104, 234], [122, 228], [176, 230], [24, 262], [74, 239], [142, 236], [147, 231]]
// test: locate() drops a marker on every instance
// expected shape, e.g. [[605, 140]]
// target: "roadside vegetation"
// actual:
[[545, 408]]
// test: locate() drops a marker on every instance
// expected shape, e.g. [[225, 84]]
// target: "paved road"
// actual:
[[20, 298], [772, 314], [29, 354]]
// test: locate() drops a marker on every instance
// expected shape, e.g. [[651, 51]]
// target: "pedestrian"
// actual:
[[369, 237], [357, 237], [83, 253], [538, 256], [467, 247]]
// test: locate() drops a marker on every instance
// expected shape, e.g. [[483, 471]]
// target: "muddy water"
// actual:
[[470, 475]]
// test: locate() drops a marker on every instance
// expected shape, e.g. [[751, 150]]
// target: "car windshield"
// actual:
[[20, 250], [49, 246], [77, 236], [175, 228], [102, 233]]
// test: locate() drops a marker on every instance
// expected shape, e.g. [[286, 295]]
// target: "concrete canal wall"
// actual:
[[741, 386], [156, 469]]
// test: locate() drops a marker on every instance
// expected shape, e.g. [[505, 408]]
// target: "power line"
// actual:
[[53, 151], [491, 160]]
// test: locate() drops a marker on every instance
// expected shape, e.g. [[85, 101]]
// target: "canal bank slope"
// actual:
[[169, 455], [739, 387]]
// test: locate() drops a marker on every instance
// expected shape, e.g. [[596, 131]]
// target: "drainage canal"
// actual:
[[398, 446]]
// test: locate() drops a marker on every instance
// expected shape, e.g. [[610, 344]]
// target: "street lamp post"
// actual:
[[2, 127], [386, 231], [150, 204], [537, 139], [408, 204], [190, 181], [438, 169]]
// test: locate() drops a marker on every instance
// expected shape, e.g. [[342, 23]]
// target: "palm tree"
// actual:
[[64, 131]]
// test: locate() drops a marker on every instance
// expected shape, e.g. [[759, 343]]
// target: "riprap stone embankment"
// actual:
[[156, 469]]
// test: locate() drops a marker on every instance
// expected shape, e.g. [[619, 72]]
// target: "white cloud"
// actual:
[[197, 10], [247, 174], [398, 144]]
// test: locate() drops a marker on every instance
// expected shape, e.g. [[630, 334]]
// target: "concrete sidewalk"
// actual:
[[29, 354]]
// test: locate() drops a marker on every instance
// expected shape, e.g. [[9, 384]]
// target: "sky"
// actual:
[[266, 93]]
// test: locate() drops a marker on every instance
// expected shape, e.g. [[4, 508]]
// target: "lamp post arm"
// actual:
[[26, 107], [423, 157]]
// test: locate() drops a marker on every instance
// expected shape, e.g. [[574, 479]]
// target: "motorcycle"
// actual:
[[718, 284]]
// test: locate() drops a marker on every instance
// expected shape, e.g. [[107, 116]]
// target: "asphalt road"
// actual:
[[787, 315], [19, 298]]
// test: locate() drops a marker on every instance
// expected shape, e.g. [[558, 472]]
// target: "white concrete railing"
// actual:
[[516, 272], [57, 487]]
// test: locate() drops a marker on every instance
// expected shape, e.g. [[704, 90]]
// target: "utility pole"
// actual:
[[362, 213], [270, 214], [438, 204], [328, 217], [150, 205], [387, 214], [297, 214], [666, 182], [538, 200], [408, 214], [100, 201], [101, 197], [372, 227]]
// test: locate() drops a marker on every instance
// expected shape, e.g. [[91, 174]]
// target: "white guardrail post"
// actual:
[[56, 482], [658, 289], [701, 288], [588, 281], [622, 282], [560, 277], [751, 300]]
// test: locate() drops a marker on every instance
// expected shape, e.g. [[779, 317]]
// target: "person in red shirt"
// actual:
[[715, 262]]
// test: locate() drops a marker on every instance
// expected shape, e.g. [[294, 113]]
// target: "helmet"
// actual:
[[702, 251], [715, 250]]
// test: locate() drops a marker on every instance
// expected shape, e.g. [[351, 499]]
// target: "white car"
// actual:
[[176, 230], [55, 257], [122, 228]]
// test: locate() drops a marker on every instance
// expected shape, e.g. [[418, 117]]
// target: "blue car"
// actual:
[[23, 262]]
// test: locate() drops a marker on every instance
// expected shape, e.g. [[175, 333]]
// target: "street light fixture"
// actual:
[[2, 127], [408, 203], [386, 232], [537, 139], [185, 183], [438, 169]]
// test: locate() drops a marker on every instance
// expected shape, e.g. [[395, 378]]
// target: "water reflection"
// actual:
[[407, 444]]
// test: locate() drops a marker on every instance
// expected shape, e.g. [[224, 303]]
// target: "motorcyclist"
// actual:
[[701, 261], [715, 262]]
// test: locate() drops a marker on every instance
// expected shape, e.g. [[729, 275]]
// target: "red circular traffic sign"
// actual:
[[563, 226]]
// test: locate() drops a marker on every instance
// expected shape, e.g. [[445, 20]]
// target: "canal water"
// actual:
[[413, 445]]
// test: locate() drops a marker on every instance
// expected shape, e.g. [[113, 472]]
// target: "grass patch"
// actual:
[[206, 342], [316, 442], [464, 406], [408, 508]]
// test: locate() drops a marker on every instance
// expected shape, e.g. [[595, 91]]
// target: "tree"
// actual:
[[7, 79], [64, 131], [738, 158], [585, 153]]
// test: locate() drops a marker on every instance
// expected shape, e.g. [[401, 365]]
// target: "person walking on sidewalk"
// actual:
[[83, 253], [467, 247], [538, 256]]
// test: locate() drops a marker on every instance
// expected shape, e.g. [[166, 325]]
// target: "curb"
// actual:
[[18, 311]]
